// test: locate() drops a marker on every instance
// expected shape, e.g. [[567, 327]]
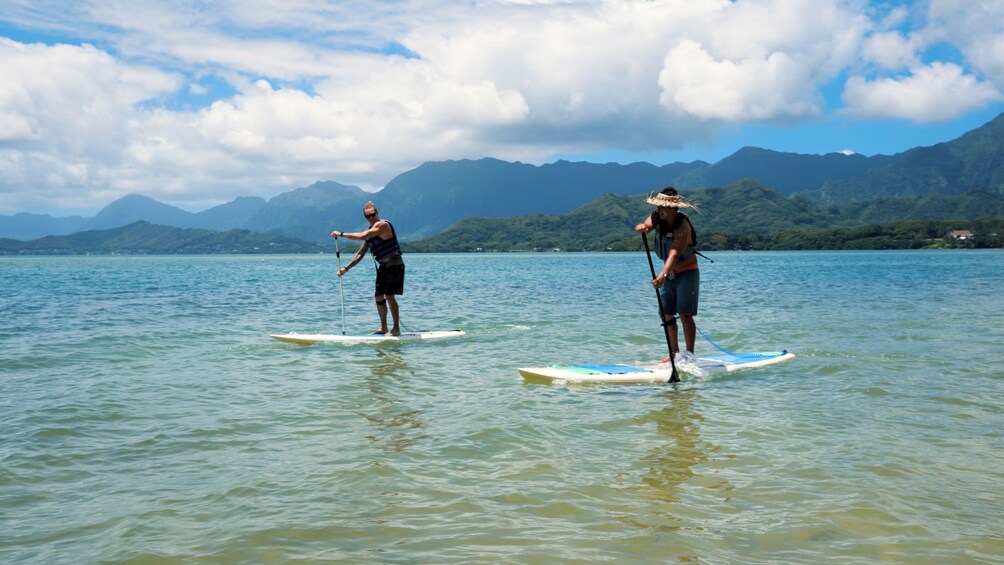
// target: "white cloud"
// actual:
[[754, 89], [319, 89], [760, 61], [976, 28], [81, 92], [936, 92], [892, 50], [65, 116]]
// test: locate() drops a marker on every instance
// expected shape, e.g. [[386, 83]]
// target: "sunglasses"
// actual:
[[372, 215]]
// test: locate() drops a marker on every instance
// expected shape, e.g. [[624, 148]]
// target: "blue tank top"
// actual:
[[384, 248]]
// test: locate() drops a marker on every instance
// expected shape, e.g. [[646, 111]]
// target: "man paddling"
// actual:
[[381, 240], [678, 281]]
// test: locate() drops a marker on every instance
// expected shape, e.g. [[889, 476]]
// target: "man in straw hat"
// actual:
[[381, 240], [678, 281]]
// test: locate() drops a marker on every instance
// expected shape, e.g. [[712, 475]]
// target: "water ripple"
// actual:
[[145, 417]]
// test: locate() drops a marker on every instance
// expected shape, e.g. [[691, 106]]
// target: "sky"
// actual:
[[197, 102]]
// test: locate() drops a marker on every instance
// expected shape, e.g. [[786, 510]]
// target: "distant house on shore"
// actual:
[[960, 235]]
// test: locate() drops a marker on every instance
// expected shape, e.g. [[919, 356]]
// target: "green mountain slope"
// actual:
[[743, 207], [25, 226], [232, 215], [786, 173], [974, 161], [310, 213], [145, 238], [134, 208]]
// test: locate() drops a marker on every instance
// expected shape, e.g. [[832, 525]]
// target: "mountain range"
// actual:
[[436, 195], [742, 215]]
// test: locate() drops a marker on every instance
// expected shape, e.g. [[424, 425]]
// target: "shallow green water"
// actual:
[[146, 417]]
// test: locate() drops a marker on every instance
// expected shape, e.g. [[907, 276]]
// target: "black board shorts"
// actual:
[[679, 294], [390, 279]]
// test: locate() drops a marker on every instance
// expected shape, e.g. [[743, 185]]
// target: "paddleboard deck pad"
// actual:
[[654, 372], [310, 339]]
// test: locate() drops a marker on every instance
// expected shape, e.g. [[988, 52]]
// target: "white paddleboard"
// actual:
[[310, 339], [653, 372]]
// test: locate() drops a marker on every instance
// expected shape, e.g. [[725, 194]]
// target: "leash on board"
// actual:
[[716, 345]]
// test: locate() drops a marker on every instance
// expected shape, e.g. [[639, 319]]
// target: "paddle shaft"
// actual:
[[341, 289], [675, 377]]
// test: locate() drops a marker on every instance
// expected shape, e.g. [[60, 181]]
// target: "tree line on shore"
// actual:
[[537, 233]]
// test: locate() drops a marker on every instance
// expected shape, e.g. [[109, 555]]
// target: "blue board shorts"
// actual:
[[390, 279], [679, 294]]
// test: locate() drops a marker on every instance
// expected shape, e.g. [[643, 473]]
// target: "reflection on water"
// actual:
[[671, 463], [397, 426]]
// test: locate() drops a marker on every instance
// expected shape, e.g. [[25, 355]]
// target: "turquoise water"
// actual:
[[146, 417]]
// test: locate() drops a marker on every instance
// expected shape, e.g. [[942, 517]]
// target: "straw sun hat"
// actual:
[[672, 201]]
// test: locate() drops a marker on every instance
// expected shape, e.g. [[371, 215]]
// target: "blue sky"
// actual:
[[197, 102]]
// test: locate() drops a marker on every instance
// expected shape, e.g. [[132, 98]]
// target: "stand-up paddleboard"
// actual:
[[310, 339], [651, 372]]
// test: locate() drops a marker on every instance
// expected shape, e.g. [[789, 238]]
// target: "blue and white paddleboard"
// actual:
[[310, 339], [653, 372]]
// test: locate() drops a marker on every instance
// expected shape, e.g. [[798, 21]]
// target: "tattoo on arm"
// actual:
[[360, 253]]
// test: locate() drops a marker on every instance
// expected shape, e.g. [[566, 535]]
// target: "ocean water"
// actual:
[[146, 416]]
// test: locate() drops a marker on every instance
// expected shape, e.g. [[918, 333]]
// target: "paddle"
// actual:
[[341, 290], [675, 376]]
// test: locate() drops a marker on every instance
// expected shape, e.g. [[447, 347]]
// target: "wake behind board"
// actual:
[[310, 339], [650, 372]]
